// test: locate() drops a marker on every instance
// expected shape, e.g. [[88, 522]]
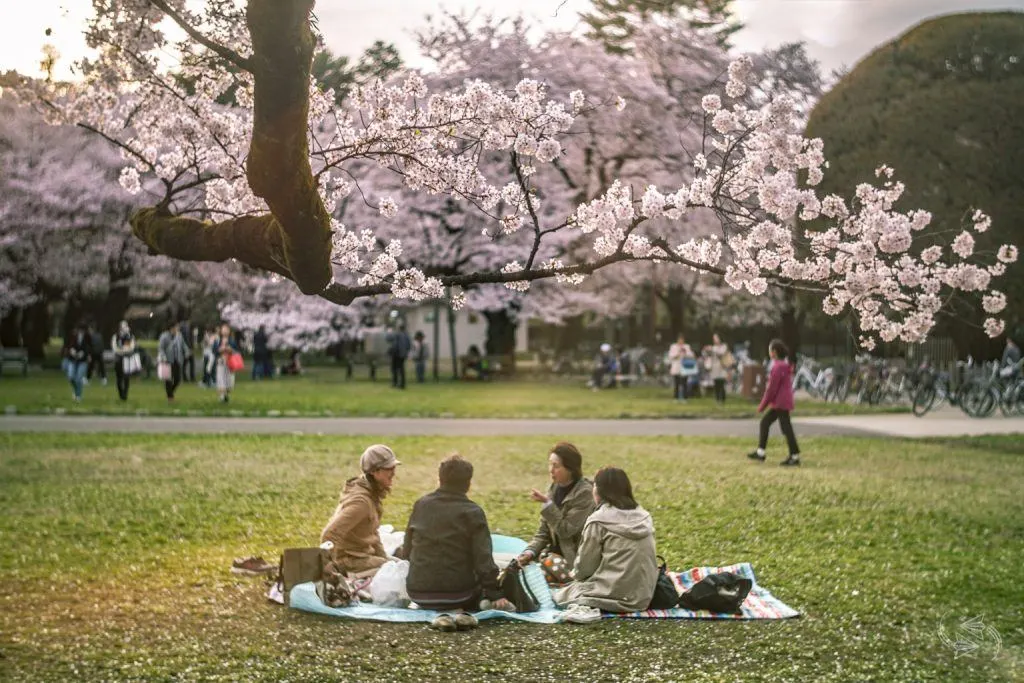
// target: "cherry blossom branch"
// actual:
[[225, 52]]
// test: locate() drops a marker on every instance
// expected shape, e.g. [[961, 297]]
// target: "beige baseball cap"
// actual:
[[377, 457]]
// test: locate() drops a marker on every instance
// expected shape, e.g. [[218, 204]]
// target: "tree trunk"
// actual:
[[501, 336], [676, 299], [35, 329], [10, 328], [792, 321]]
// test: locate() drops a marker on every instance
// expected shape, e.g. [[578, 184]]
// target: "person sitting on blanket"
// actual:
[[353, 526], [568, 503], [616, 566], [448, 546]]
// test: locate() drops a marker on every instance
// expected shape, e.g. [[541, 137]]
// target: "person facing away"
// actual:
[[1011, 353], [565, 508], [260, 353], [96, 362], [353, 526], [778, 399], [123, 346], [172, 349], [399, 346], [420, 353], [616, 567], [448, 546]]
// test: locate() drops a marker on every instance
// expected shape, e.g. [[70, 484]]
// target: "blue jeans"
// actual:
[[76, 375], [421, 370]]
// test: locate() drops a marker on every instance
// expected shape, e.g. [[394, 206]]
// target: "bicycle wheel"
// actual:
[[924, 399], [979, 401]]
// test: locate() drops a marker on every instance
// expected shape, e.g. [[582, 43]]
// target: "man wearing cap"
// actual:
[[353, 526]]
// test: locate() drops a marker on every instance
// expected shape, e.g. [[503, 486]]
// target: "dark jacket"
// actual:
[[561, 528], [399, 344], [79, 348], [448, 545]]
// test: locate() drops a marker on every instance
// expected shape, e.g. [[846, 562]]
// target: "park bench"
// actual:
[[14, 356]]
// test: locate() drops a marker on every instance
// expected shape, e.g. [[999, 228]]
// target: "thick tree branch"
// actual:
[[278, 167], [227, 53]]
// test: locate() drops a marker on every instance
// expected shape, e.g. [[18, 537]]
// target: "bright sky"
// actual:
[[838, 32]]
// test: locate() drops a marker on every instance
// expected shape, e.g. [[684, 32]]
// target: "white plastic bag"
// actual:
[[388, 586], [391, 540]]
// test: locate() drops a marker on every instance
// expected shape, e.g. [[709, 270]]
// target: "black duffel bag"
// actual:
[[723, 593]]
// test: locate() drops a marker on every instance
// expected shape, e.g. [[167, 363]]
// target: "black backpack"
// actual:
[[665, 594], [723, 593], [513, 588]]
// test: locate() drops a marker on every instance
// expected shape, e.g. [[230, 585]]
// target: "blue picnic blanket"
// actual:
[[760, 604]]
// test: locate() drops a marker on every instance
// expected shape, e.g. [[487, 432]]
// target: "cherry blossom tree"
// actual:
[[269, 185]]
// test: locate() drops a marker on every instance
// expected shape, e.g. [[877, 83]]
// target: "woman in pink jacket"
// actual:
[[778, 398]]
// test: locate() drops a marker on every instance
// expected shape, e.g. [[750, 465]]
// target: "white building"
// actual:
[[470, 329]]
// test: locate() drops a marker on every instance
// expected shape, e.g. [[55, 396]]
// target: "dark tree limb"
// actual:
[[225, 52]]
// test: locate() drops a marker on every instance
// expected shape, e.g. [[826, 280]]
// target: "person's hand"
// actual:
[[502, 604], [525, 558], [538, 496]]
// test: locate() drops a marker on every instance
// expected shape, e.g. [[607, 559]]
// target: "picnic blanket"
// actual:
[[760, 604]]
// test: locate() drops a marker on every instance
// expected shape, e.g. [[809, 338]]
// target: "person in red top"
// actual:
[[778, 398]]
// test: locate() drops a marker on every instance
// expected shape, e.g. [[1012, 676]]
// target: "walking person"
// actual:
[[398, 349], [171, 350], [718, 359], [78, 352], [209, 359], [224, 377], [188, 370], [123, 346], [778, 398], [96, 361], [683, 365], [420, 353]]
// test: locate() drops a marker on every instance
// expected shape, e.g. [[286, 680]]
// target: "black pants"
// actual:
[[720, 390], [787, 428], [123, 378], [680, 387], [171, 385], [97, 362], [398, 372], [189, 371]]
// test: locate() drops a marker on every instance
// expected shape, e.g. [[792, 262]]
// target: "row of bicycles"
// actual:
[[978, 389]]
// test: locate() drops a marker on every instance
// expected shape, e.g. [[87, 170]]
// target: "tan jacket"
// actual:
[[616, 567], [353, 528], [562, 527]]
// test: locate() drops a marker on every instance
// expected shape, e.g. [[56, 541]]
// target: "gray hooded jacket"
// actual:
[[616, 565]]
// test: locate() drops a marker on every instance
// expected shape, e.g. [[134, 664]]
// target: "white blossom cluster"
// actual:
[[756, 171]]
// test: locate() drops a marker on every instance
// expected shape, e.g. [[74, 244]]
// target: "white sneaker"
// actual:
[[580, 614]]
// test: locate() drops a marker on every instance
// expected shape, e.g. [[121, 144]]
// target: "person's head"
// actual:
[[418, 336], [455, 473], [123, 327], [173, 327], [378, 462], [777, 350], [606, 348], [565, 463], [716, 339], [611, 486], [682, 338], [263, 329], [225, 330]]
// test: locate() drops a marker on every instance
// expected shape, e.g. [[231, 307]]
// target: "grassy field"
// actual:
[[115, 554], [325, 392]]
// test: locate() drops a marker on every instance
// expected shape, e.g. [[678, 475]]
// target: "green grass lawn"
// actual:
[[325, 391], [115, 554]]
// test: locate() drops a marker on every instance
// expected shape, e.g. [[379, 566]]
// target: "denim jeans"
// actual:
[[76, 375]]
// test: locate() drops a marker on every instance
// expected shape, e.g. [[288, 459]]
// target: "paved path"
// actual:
[[939, 424]]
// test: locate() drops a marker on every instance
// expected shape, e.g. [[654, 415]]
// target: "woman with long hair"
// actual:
[[616, 567]]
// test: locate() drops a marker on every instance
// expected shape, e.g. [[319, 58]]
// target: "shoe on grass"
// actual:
[[756, 456], [251, 566], [581, 614], [791, 461], [465, 621], [444, 622]]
